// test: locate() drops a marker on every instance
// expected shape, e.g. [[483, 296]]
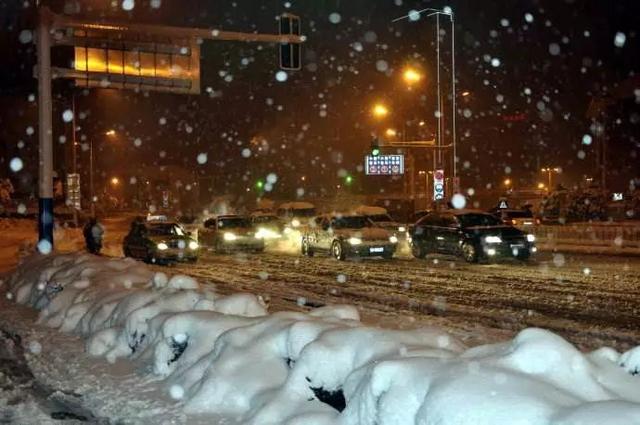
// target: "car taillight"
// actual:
[[514, 222], [537, 221]]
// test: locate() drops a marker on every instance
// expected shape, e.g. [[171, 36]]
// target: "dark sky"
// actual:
[[530, 67]]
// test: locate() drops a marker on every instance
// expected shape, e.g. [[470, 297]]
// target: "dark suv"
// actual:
[[473, 235]]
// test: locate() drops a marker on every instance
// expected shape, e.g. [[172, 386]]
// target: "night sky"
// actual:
[[531, 69]]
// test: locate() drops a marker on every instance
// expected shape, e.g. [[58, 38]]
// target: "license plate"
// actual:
[[518, 246], [376, 249]]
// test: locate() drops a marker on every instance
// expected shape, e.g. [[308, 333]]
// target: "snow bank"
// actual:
[[225, 355]]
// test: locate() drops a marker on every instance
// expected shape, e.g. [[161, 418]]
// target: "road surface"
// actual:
[[590, 300]]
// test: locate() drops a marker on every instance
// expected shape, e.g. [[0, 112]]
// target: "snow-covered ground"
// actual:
[[116, 340]]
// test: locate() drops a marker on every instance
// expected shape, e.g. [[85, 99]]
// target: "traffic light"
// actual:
[[290, 55], [375, 147], [348, 180], [259, 184]]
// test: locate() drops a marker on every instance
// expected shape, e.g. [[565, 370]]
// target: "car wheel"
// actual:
[[126, 251], [387, 255], [469, 252], [148, 257], [306, 249], [418, 251], [338, 251]]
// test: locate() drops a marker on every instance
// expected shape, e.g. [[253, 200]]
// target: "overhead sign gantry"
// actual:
[[128, 56]]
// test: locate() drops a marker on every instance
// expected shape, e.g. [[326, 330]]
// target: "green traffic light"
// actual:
[[348, 180], [259, 184], [375, 151]]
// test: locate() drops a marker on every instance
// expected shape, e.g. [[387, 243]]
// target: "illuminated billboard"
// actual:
[[384, 165], [100, 60]]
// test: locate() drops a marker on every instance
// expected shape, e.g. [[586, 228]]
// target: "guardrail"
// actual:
[[591, 234]]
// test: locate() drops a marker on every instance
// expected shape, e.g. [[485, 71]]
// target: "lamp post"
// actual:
[[110, 133], [447, 11], [551, 170]]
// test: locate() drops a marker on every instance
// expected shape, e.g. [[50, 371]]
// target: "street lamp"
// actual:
[[447, 11], [379, 110], [109, 133], [115, 181], [549, 171], [507, 182], [411, 76], [391, 132]]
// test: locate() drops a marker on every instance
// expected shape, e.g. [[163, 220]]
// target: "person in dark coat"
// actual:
[[93, 232]]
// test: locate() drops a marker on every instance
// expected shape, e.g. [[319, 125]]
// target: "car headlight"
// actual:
[[402, 229], [393, 239], [295, 222], [162, 246], [228, 236], [193, 245], [531, 238], [355, 241], [493, 239], [287, 230], [263, 233]]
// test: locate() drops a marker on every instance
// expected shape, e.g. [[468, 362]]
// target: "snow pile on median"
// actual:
[[227, 356]]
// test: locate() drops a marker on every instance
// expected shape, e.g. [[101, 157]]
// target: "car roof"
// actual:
[[161, 223], [465, 211], [227, 216]]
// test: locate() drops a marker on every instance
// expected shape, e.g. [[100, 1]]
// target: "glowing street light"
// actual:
[[391, 132], [411, 76], [379, 110], [110, 133], [541, 186], [550, 171], [507, 182], [115, 181]]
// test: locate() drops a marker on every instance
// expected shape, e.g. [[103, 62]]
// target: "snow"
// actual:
[[370, 210], [226, 356], [297, 205]]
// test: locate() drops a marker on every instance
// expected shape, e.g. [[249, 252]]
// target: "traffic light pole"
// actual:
[[45, 137]]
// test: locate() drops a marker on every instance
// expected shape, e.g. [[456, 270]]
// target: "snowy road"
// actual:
[[590, 300]]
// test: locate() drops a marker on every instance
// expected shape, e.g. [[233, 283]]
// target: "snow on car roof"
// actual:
[[297, 205], [370, 210]]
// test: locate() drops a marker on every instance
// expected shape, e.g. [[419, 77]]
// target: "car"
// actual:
[[417, 215], [296, 214], [473, 235], [515, 217], [344, 236], [379, 217], [160, 242], [267, 226], [226, 233]]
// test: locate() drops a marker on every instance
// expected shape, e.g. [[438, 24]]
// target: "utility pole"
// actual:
[[45, 130]]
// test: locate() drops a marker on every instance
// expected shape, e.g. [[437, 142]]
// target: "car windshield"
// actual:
[[350, 222], [167, 229], [266, 219], [306, 212], [378, 218], [234, 223], [476, 219]]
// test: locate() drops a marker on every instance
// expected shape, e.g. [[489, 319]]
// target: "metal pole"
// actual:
[[45, 202], [74, 151], [439, 94], [549, 171], [93, 206], [453, 96], [73, 135]]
